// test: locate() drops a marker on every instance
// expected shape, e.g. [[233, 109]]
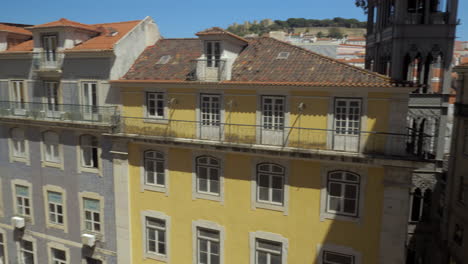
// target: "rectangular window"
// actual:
[[343, 193], [268, 252], [270, 183], [208, 175], [26, 252], [2, 249], [348, 116], [18, 143], [273, 112], [208, 246], [92, 213], [210, 110], [89, 99], [155, 105], [213, 53], [51, 147], [154, 168], [18, 94], [58, 256], [337, 258], [49, 44], [156, 236], [52, 95], [55, 203], [89, 151], [23, 202]]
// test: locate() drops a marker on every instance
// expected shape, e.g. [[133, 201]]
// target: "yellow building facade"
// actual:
[[262, 171]]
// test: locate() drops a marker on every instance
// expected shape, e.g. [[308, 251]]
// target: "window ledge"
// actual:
[[155, 257], [51, 164], [155, 120], [330, 216], [57, 226], [273, 207], [20, 159], [205, 196], [89, 170], [154, 188]]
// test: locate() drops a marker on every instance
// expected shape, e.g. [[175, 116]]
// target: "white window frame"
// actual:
[[89, 147], [211, 116], [266, 236], [29, 218], [167, 221], [324, 172], [337, 249], [49, 222], [56, 246], [196, 194], [4, 245], [143, 174], [159, 98], [15, 87], [88, 85], [51, 96], [274, 123], [270, 174], [204, 224], [102, 222], [256, 203], [12, 145], [213, 57], [47, 160], [343, 183], [21, 250]]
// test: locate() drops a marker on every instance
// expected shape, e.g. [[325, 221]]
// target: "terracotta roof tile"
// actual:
[[16, 30], [107, 39], [63, 22], [26, 46], [256, 64], [219, 31]]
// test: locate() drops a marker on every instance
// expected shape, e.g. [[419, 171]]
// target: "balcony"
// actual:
[[66, 113], [290, 138], [48, 63], [205, 70]]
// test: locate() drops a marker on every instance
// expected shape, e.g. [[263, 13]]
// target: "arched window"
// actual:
[[416, 205], [89, 151], [18, 143], [343, 193], [270, 183], [208, 170], [155, 173], [51, 147]]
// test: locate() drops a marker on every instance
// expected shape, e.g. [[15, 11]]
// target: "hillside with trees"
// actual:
[[267, 25]]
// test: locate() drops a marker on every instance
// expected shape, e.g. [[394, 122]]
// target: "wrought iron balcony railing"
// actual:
[[48, 60], [354, 141], [107, 115], [206, 70]]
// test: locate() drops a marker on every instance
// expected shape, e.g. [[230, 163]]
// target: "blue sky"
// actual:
[[182, 18]]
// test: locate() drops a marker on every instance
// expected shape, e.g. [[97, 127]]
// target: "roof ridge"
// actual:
[[121, 22], [386, 78]]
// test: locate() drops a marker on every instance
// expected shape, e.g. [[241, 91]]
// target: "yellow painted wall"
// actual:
[[302, 226]]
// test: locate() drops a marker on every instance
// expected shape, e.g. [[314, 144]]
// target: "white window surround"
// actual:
[[52, 95], [158, 99], [18, 91], [87, 97], [150, 187], [337, 249], [151, 119], [29, 219], [94, 196], [53, 245], [324, 172], [51, 163], [211, 226], [259, 111], [253, 236], [167, 219], [198, 108], [57, 189], [19, 247], [20, 134], [4, 243], [363, 96], [79, 155], [206, 196], [253, 192]]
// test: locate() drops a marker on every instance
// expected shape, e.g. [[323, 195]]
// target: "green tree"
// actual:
[[335, 33], [320, 34]]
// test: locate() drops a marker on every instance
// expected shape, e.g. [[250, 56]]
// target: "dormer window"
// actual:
[[49, 44], [213, 53]]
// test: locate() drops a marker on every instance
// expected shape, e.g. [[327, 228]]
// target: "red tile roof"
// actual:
[[16, 30], [26, 46], [219, 31], [256, 64], [63, 22], [106, 40]]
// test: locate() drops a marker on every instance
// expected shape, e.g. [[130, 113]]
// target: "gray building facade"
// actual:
[[57, 192]]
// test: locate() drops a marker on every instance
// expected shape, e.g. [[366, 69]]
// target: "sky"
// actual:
[[183, 18]]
